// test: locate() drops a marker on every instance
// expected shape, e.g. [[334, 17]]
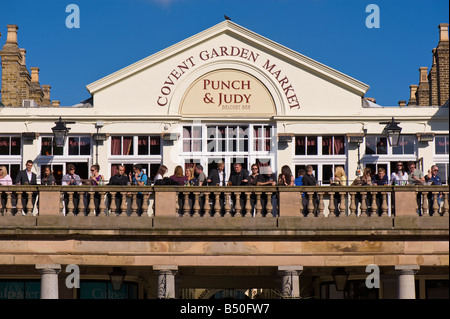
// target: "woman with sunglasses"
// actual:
[[96, 178], [399, 176]]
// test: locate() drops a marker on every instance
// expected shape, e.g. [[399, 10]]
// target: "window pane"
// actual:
[[85, 145], [300, 148], [73, 146], [408, 144], [4, 146], [155, 145], [197, 133], [327, 145], [381, 145], [46, 146], [370, 145], [186, 132], [127, 145], [327, 173], [15, 145], [439, 142], [116, 143], [339, 145], [312, 145], [143, 146]]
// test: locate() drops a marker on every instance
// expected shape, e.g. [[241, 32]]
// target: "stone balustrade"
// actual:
[[247, 202]]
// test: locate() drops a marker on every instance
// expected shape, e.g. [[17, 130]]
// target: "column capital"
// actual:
[[407, 268], [287, 269], [52, 268]]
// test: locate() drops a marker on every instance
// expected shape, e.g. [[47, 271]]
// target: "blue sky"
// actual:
[[116, 33]]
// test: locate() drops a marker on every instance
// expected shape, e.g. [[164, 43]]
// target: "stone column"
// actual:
[[406, 281], [166, 281], [49, 280], [290, 281]]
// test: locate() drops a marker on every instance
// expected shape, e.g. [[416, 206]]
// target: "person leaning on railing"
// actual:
[[71, 179], [5, 179], [119, 179]]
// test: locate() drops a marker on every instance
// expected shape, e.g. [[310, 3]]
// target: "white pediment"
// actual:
[[157, 84]]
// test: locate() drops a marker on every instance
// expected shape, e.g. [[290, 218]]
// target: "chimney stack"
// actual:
[[11, 37], [442, 64], [432, 80], [36, 93], [423, 91], [443, 32], [34, 74], [11, 61], [46, 99], [412, 95]]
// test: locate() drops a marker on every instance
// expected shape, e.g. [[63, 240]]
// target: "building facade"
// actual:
[[227, 95]]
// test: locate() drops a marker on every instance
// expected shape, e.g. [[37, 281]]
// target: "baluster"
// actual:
[[374, 207], [207, 206], [196, 205], [384, 205], [91, 206], [112, 205], [19, 204], [81, 207], [102, 205], [321, 206], [352, 204], [248, 204], [269, 206], [123, 204], [61, 203], [217, 206], [8, 206], [342, 205], [70, 207], [258, 206], [310, 204], [301, 204], [238, 207], [331, 206], [364, 204], [186, 206], [134, 206], [177, 205], [445, 206], [425, 204], [435, 203], [145, 204], [29, 203], [227, 204]]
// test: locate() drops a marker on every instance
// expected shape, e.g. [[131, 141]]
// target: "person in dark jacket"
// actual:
[[119, 179], [309, 180], [27, 177]]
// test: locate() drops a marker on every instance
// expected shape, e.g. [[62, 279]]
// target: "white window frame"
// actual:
[[44, 160], [251, 154], [132, 159]]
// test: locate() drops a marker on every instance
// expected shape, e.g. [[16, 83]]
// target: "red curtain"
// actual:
[[126, 146], [115, 145], [339, 147]]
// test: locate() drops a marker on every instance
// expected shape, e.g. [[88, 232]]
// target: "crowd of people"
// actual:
[[195, 176]]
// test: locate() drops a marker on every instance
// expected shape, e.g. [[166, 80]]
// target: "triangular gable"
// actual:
[[182, 72]]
